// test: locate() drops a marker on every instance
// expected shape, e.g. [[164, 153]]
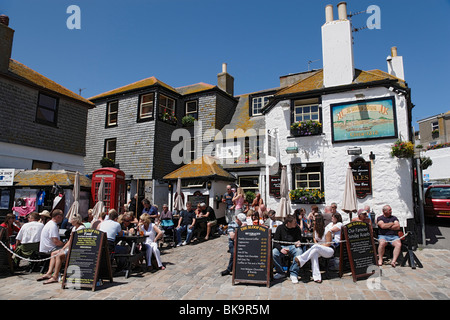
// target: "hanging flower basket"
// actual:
[[402, 149], [307, 196], [306, 128]]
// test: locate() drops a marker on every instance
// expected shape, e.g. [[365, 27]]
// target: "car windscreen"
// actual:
[[439, 193]]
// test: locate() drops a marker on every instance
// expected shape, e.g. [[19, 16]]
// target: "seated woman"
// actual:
[[153, 234], [321, 248], [59, 256]]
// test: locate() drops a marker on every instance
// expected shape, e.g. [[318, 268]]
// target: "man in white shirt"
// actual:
[[28, 238], [112, 229], [50, 240]]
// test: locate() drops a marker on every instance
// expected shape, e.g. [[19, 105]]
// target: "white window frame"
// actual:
[[258, 103], [192, 113], [145, 104], [298, 181], [108, 151], [109, 123], [160, 105], [301, 116]]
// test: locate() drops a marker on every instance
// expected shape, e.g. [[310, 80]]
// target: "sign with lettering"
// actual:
[[358, 252], [7, 177], [274, 186], [362, 175], [252, 255], [87, 260], [364, 119]]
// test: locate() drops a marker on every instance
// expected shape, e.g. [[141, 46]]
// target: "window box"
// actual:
[[306, 128], [168, 118], [307, 196]]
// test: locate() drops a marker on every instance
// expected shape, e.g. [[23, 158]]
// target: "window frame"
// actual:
[[141, 118], [263, 104], [193, 114], [42, 165], [108, 124], [105, 149], [310, 169], [161, 106], [55, 111], [319, 111]]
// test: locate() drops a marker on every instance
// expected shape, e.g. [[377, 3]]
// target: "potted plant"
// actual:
[[307, 196], [435, 133], [306, 128], [106, 162], [168, 117], [425, 162], [402, 149], [187, 121]]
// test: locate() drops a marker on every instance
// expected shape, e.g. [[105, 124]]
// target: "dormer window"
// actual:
[[258, 103]]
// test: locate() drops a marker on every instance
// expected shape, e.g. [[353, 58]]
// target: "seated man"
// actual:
[[288, 232], [388, 232], [208, 213], [28, 238], [112, 229], [186, 223]]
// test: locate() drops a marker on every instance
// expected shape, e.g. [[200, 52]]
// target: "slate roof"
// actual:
[[27, 75], [46, 178], [205, 167]]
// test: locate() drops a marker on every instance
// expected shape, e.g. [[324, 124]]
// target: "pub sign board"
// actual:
[[88, 259], [364, 120], [252, 255], [362, 175], [358, 253], [274, 185]]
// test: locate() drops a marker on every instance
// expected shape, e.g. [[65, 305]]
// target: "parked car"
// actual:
[[437, 201]]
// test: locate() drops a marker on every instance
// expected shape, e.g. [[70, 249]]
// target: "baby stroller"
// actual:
[[168, 227]]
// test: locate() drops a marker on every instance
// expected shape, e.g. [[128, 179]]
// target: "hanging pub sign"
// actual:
[[362, 175], [274, 186], [365, 119]]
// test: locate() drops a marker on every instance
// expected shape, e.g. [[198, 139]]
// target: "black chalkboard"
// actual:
[[358, 251], [87, 260], [6, 263], [252, 255]]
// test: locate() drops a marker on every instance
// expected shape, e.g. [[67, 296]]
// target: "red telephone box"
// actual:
[[115, 189]]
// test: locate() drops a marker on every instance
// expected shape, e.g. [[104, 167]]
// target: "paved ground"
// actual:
[[193, 273]]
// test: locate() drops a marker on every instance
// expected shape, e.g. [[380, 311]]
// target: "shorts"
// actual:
[[388, 238]]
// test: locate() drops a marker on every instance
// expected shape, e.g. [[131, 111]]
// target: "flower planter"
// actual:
[[401, 149], [306, 128]]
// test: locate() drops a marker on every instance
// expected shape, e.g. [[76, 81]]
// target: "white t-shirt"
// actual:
[[335, 235], [112, 229], [30, 232], [49, 231]]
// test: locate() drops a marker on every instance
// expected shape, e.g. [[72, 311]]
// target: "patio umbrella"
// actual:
[[349, 203], [284, 206], [99, 206], [75, 207], [178, 203]]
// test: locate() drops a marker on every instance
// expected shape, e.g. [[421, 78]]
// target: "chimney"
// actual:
[[395, 64], [225, 81], [337, 48], [6, 40]]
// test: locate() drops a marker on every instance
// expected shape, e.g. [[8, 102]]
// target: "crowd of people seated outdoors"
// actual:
[[302, 237]]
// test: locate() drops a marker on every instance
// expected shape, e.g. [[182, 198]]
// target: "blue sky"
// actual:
[[182, 42]]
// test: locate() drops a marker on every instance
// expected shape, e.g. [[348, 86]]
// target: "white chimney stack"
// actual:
[[395, 64], [337, 48]]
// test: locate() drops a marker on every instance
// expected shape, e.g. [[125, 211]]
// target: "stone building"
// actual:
[[142, 128]]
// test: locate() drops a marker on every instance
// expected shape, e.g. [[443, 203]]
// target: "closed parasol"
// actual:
[[99, 207], [284, 207]]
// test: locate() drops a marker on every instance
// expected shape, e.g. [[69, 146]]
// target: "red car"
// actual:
[[437, 201]]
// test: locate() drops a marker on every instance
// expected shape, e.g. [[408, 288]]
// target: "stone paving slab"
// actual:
[[193, 273]]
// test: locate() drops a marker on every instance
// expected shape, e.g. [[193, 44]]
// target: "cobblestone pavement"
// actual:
[[193, 273]]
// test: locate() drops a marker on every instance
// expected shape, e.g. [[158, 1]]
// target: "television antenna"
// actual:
[[79, 91], [311, 61]]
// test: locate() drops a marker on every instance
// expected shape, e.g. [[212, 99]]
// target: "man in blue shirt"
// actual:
[[149, 209], [186, 223]]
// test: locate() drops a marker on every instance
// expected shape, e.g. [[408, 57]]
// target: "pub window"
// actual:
[[189, 150], [47, 109], [249, 183], [110, 149], [112, 110], [192, 109], [306, 112], [309, 176], [146, 102]]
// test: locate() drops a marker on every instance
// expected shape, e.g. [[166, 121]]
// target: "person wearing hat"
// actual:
[[363, 216], [240, 220], [44, 216]]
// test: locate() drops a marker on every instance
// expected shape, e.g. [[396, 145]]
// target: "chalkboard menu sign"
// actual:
[[5, 256], [358, 251], [252, 255], [87, 260], [362, 176]]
